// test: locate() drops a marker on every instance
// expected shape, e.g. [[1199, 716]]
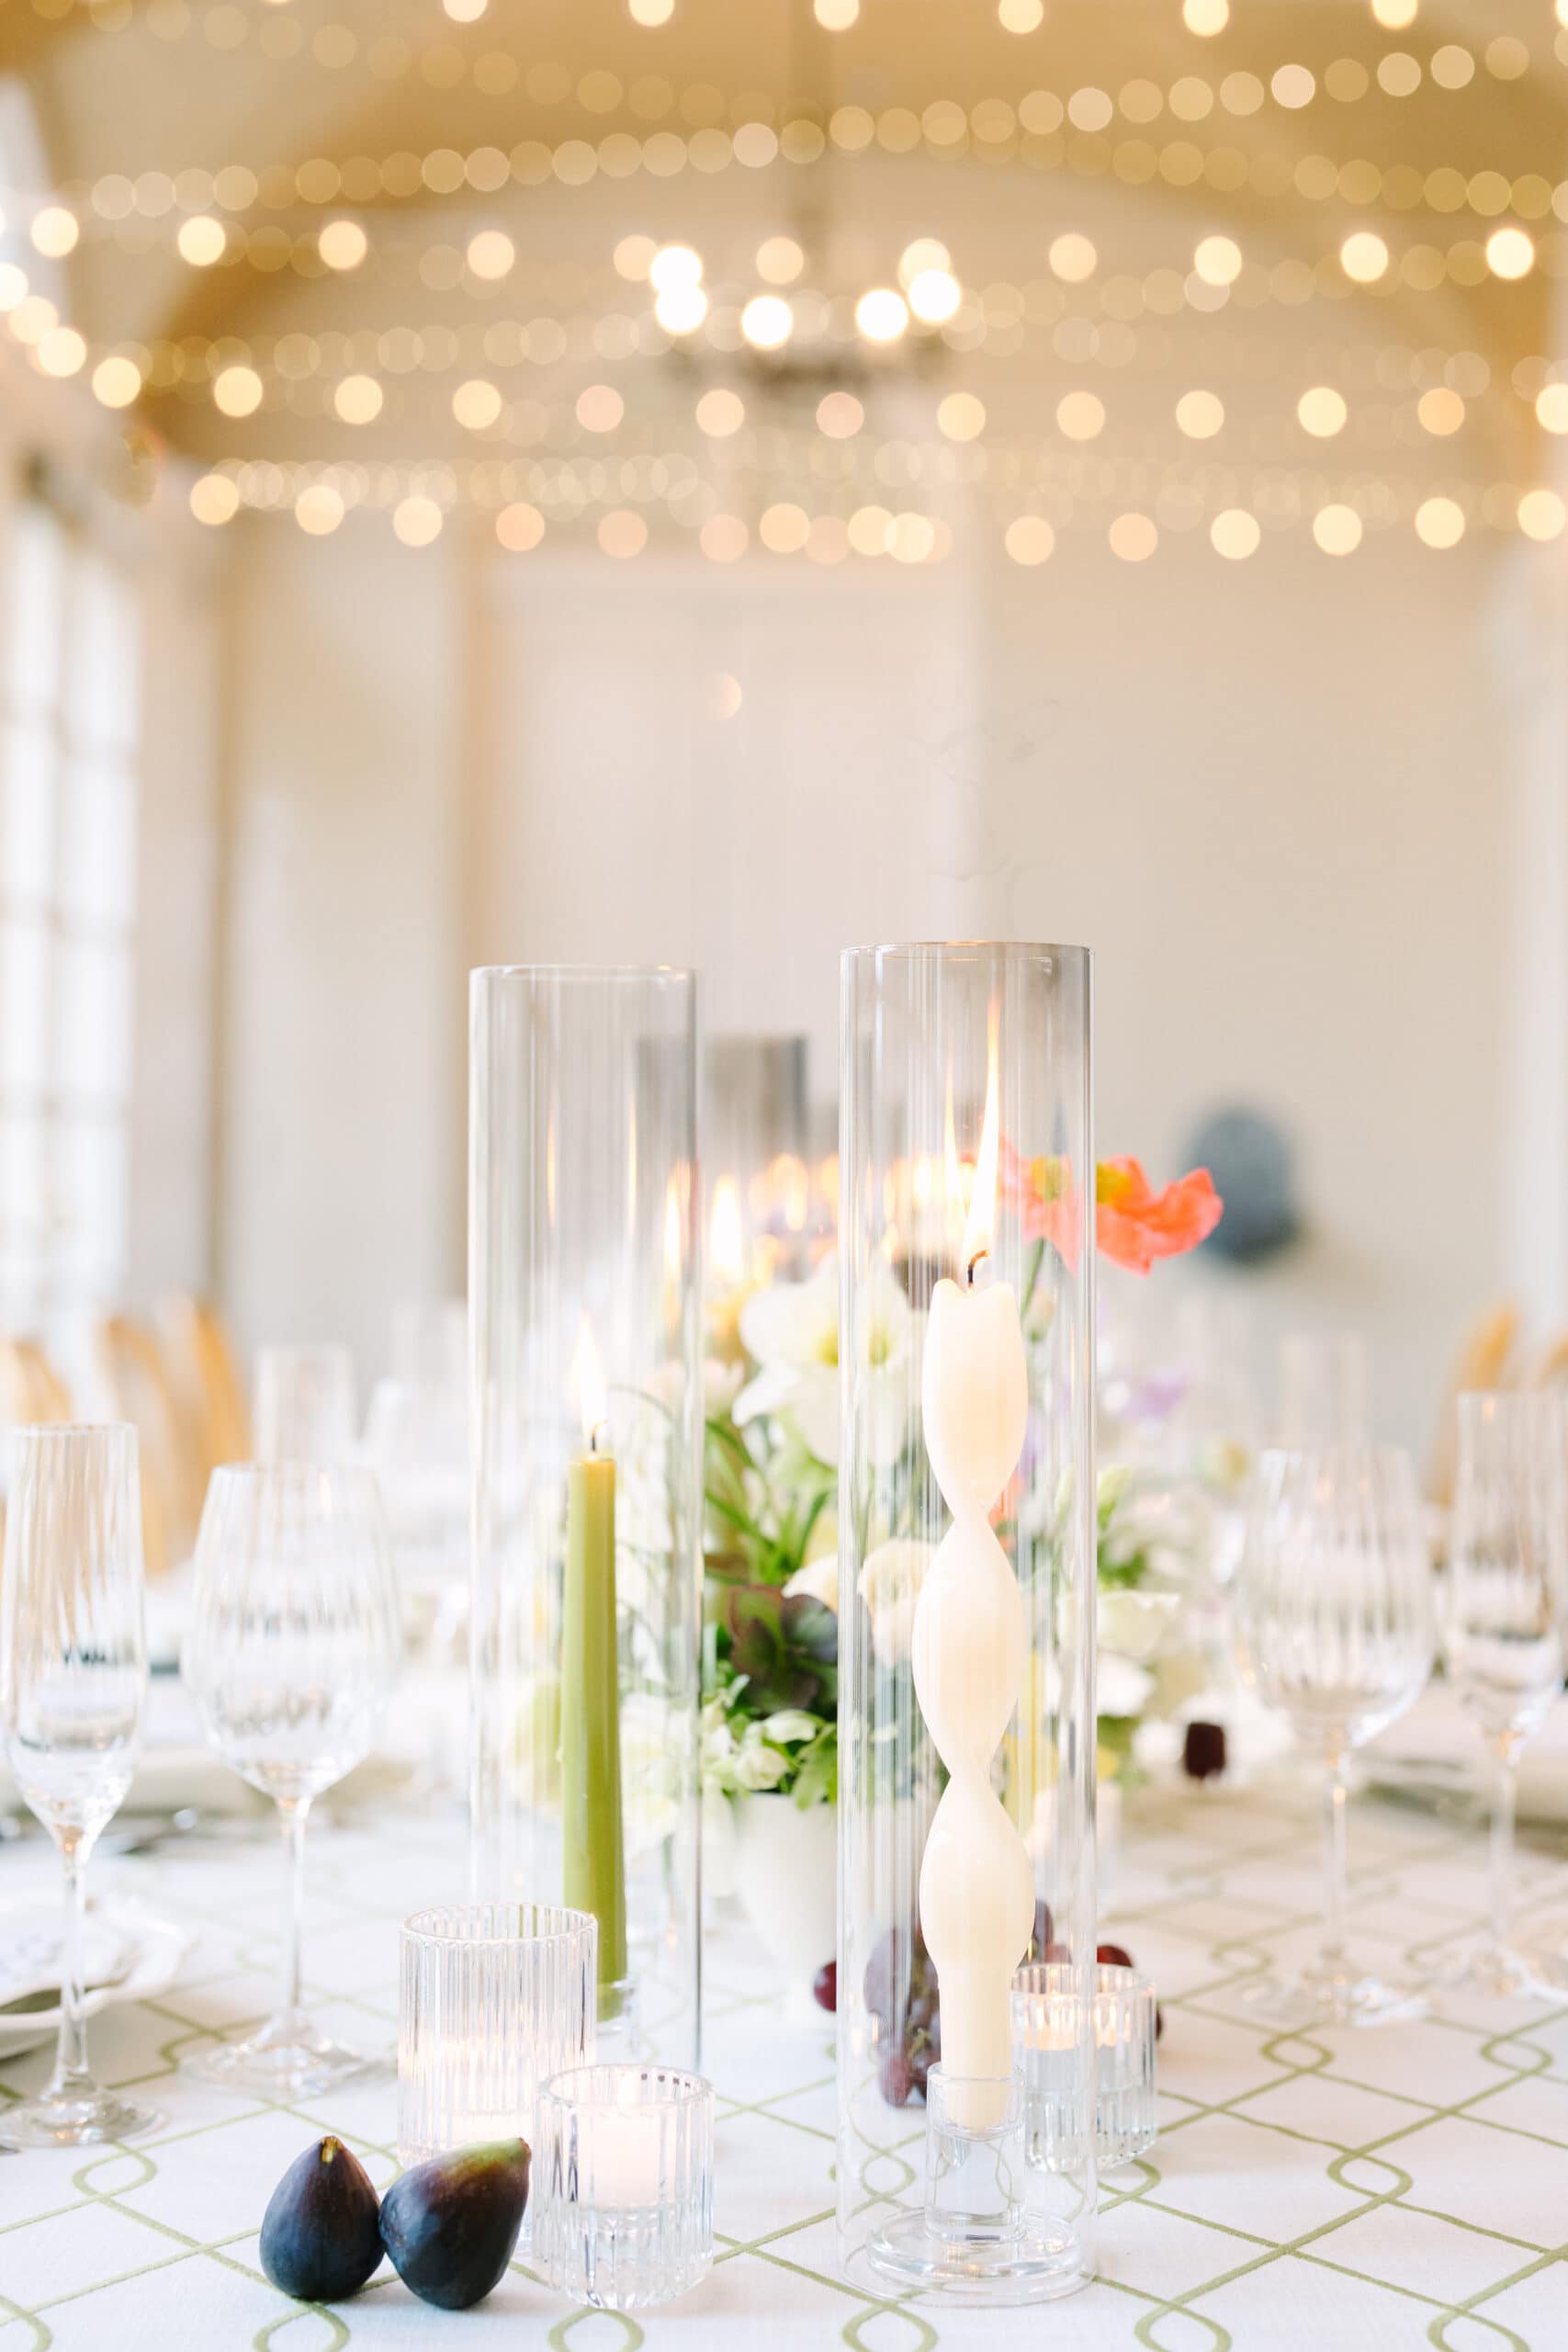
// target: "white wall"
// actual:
[[1274, 799], [343, 1070]]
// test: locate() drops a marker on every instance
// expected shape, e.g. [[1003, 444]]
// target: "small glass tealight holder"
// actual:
[[622, 2174], [1046, 2025], [495, 1998]]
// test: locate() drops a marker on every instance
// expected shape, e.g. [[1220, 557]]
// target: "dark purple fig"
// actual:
[[450, 2225], [824, 1987], [319, 2238], [1113, 1956]]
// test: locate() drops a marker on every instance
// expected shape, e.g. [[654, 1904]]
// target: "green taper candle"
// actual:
[[591, 1714]]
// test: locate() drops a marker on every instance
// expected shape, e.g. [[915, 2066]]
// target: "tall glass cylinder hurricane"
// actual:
[[966, 1724], [586, 1414], [290, 1656], [72, 1680]]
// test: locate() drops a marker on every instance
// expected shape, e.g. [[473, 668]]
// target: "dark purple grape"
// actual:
[[1114, 1956], [896, 2073], [1204, 1755], [921, 2064], [824, 1987], [1159, 2021]]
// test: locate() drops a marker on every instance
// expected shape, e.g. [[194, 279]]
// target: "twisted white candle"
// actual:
[[970, 1646]]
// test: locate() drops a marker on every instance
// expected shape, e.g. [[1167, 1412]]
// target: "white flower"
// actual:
[[791, 1332], [758, 1766], [789, 1723], [890, 1583], [1122, 1688], [1134, 1624], [818, 1579]]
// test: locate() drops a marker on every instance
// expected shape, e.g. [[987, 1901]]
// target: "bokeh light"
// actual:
[[1322, 411], [721, 413], [960, 416], [1199, 414], [1234, 534], [881, 314], [1030, 540], [1336, 529], [201, 241], [342, 245], [358, 400], [237, 391], [840, 415], [767, 322], [1439, 523], [417, 521], [214, 499]]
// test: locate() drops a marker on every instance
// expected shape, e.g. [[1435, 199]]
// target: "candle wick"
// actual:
[[974, 1261], [600, 1429]]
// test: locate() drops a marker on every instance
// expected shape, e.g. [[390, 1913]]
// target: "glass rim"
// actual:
[[663, 975], [1386, 1455], [679, 2086], [251, 1473], [1062, 1980], [40, 1433], [1010, 951], [1505, 1401], [572, 1927]]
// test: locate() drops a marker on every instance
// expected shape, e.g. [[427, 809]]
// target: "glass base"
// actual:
[[287, 2060], [1501, 1973], [1031, 2266], [1331, 1997], [75, 2121]]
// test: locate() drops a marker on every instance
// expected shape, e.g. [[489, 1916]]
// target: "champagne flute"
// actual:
[[1505, 1600], [291, 1653], [73, 1682], [1335, 1626]]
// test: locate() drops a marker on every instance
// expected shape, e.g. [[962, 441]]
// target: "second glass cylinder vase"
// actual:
[[586, 1396], [966, 1551]]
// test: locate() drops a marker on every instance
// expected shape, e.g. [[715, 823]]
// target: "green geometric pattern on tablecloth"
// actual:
[[1408, 2186]]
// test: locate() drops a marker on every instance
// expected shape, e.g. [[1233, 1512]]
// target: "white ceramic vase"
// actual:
[[786, 1875]]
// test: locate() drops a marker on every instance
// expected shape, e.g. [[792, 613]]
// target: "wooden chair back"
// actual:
[[139, 1391]]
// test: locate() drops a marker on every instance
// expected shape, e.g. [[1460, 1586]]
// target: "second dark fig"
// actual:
[[450, 2225], [320, 2241]]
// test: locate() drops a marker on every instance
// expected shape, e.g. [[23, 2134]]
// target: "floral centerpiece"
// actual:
[[770, 1717]]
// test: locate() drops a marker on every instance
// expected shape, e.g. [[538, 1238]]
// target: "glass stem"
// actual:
[[1335, 1799], [295, 1811], [72, 2079], [1506, 1751]]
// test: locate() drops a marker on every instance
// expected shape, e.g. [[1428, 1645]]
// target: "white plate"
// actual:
[[153, 1951]]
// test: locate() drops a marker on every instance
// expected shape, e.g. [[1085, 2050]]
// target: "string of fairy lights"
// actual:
[[1036, 488]]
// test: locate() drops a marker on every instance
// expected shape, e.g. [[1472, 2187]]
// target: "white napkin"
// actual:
[[32, 1943]]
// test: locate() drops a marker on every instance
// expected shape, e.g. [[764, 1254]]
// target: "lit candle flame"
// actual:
[[727, 1249], [586, 1380], [980, 1226]]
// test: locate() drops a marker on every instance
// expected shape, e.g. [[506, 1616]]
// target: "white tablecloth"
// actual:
[[1406, 2188]]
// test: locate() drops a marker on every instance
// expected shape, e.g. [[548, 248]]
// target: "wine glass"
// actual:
[[72, 1682], [1323, 1388], [1335, 1626], [291, 1653], [304, 1404], [1505, 1600]]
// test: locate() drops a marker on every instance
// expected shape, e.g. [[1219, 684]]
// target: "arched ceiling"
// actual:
[[568, 115]]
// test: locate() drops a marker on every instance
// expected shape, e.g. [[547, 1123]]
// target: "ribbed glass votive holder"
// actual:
[[1047, 2018], [623, 2175], [495, 1998]]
